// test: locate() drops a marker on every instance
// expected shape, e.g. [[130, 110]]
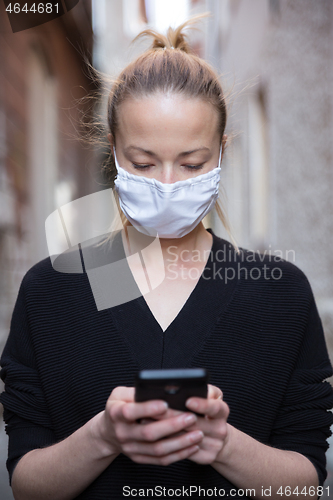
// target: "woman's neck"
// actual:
[[193, 247]]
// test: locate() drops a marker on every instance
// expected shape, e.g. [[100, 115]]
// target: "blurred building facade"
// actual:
[[42, 165], [276, 57], [276, 62]]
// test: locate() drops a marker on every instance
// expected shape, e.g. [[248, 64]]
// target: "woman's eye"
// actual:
[[194, 167], [135, 165], [190, 167]]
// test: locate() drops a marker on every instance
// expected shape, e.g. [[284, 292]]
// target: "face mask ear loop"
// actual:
[[220, 156], [115, 157], [125, 225]]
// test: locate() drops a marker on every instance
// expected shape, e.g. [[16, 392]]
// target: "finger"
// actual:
[[130, 412], [123, 393], [168, 414], [214, 392], [163, 416], [209, 426], [162, 428], [147, 409], [213, 408], [164, 446], [146, 420], [168, 459]]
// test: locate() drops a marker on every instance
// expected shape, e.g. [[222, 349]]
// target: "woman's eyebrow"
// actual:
[[151, 153]]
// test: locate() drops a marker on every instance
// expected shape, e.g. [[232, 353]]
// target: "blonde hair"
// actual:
[[169, 65]]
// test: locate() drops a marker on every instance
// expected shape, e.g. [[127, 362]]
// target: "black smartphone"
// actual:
[[172, 386]]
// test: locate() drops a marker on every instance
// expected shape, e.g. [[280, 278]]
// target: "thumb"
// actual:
[[214, 392], [123, 394]]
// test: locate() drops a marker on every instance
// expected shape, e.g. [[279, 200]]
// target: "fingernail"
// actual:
[[196, 435], [189, 419], [163, 405], [193, 403]]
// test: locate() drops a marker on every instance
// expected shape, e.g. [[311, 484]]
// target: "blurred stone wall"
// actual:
[[275, 57]]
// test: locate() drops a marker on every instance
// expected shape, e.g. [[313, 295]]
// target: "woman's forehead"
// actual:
[[167, 115]]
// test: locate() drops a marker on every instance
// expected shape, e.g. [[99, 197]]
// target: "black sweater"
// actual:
[[258, 333]]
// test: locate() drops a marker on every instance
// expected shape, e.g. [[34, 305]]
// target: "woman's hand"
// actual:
[[160, 441], [213, 425]]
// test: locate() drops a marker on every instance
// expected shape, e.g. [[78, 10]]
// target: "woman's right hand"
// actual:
[[159, 442]]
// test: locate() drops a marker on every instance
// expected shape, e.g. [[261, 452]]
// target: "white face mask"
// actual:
[[166, 210]]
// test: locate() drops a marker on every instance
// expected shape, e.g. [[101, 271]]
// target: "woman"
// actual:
[[74, 428]]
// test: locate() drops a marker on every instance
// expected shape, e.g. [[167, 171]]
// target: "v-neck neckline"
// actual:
[[143, 303], [151, 347]]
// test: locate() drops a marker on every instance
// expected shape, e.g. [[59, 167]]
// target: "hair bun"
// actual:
[[173, 40], [175, 37]]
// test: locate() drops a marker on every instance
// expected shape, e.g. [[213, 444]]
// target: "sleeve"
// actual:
[[304, 420], [26, 415]]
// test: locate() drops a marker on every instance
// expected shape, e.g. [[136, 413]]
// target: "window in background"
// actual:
[[99, 17], [43, 148], [258, 170], [162, 14], [134, 17]]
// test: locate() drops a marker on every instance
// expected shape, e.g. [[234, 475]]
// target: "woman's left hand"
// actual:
[[213, 425]]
